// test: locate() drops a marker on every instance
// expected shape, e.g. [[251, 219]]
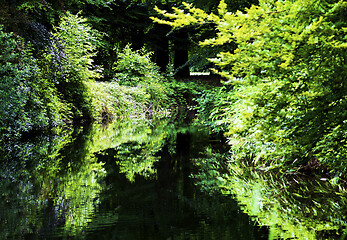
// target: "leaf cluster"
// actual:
[[79, 43], [288, 73], [28, 99], [134, 68], [46, 86]]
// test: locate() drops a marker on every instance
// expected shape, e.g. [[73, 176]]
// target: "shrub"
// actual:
[[212, 107], [289, 77], [78, 41], [135, 69], [28, 100], [111, 100]]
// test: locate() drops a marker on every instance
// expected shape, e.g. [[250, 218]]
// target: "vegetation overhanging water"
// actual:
[[154, 179], [282, 109]]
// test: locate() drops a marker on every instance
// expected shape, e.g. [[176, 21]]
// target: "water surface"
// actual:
[[146, 179]]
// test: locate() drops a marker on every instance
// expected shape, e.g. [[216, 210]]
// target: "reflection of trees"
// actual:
[[135, 144], [137, 159], [46, 184], [81, 183], [169, 206], [51, 183], [27, 168], [292, 206], [79, 195]]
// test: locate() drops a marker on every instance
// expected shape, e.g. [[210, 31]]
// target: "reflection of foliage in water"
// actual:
[[53, 181], [292, 206], [136, 142], [80, 195], [27, 168], [47, 185]]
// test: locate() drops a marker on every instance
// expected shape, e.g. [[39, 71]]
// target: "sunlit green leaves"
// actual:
[[78, 41], [289, 75], [136, 69]]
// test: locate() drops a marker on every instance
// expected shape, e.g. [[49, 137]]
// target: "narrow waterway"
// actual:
[[135, 179]]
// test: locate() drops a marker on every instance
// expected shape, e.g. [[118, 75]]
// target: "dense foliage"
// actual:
[[46, 86], [282, 108], [28, 99], [53, 82], [135, 68], [78, 42], [288, 74], [285, 63]]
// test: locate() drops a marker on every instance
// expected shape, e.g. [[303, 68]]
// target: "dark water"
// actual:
[[137, 179]]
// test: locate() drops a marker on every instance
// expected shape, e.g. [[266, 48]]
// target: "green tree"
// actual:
[[135, 69], [123, 22], [78, 41], [289, 78], [28, 100]]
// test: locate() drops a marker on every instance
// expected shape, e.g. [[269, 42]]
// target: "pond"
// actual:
[[151, 179]]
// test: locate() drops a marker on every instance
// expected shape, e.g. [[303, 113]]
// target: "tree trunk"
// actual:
[[181, 53], [162, 54]]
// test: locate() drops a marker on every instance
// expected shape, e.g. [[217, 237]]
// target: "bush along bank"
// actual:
[[285, 100], [55, 85], [44, 81]]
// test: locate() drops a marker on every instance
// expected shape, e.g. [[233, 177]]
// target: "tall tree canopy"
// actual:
[[123, 22], [289, 75]]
